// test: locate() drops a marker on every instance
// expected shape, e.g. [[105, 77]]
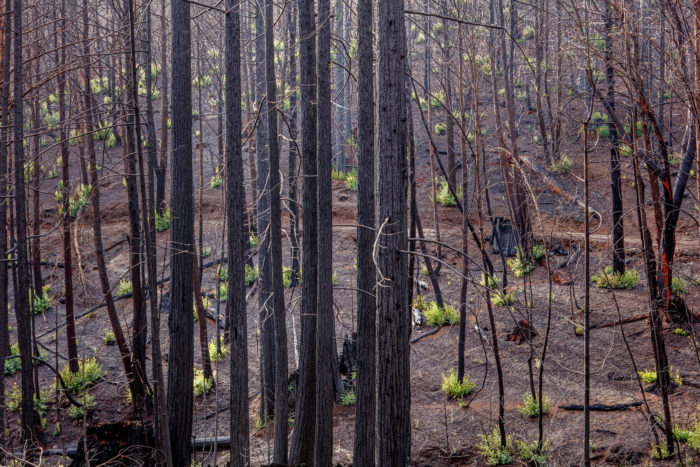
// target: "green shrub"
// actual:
[[125, 287], [651, 376], [201, 384], [499, 298], [436, 316], [437, 98], [495, 454], [51, 120], [103, 131], [531, 406], [89, 371], [88, 406], [162, 220], [215, 356], [111, 140], [675, 159], [14, 364], [41, 403], [253, 240], [440, 129], [492, 281], [52, 173], [607, 280], [351, 180], [223, 292], [625, 150], [529, 453], [603, 131], [528, 32], [520, 265], [109, 338], [216, 181], [455, 389], [681, 434], [680, 332], [420, 304], [444, 196], [660, 452], [562, 165], [348, 398], [14, 398], [251, 275], [679, 286], [43, 302]]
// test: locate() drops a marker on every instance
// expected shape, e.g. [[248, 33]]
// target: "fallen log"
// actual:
[[601, 407], [615, 323], [429, 333]]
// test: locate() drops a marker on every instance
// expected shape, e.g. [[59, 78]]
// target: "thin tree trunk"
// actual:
[[324, 306], [293, 149], [366, 405], [302, 446]]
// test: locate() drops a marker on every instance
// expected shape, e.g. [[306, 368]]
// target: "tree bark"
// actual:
[[181, 354], [393, 367]]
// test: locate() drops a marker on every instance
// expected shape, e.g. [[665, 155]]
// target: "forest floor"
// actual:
[[443, 432]]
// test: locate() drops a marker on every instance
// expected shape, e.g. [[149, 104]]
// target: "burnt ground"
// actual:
[[442, 431]]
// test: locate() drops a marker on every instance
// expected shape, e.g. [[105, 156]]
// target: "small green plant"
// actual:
[[111, 141], [499, 298], [215, 356], [531, 406], [351, 180], [221, 273], [88, 406], [13, 398], [334, 278], [607, 280], [625, 150], [41, 303], [436, 316], [681, 332], [348, 398], [681, 434], [675, 159], [660, 452], [492, 281], [201, 384], [420, 304], [454, 388], [652, 376], [216, 181], [444, 196], [253, 240], [562, 165], [223, 292], [679, 286], [205, 251], [529, 453], [162, 220], [492, 450], [103, 130], [519, 265], [52, 173], [251, 275], [528, 32], [14, 364], [89, 371], [125, 287], [440, 129], [109, 338], [41, 403]]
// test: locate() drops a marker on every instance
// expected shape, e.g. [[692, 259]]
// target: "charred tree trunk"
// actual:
[[393, 367], [366, 406], [303, 441], [293, 149], [6, 41], [324, 306], [181, 355], [237, 242]]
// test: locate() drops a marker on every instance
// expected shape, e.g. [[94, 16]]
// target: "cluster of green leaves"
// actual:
[[89, 372], [651, 376], [531, 406], [124, 287], [52, 119], [162, 220], [251, 275], [440, 129], [524, 264], [351, 180], [444, 196], [41, 303], [223, 291], [221, 273], [201, 384], [679, 286], [215, 356], [562, 165], [287, 276], [203, 82], [690, 436], [607, 280], [529, 453], [454, 388], [437, 316], [495, 454], [216, 180], [348, 398], [253, 240], [88, 406], [103, 131], [205, 251], [501, 298], [109, 338], [14, 364], [77, 201]]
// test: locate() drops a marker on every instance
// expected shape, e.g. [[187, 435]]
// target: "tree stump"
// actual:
[[118, 443]]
